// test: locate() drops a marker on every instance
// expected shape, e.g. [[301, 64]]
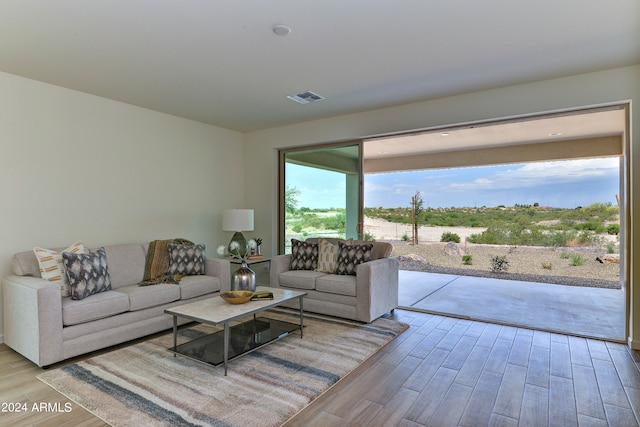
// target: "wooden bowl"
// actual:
[[236, 297]]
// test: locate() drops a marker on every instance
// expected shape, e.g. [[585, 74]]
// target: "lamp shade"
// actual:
[[237, 220]]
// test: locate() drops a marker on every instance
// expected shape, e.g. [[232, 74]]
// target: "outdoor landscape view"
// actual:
[[554, 222]]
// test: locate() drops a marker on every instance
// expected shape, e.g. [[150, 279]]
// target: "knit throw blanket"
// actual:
[[156, 268]]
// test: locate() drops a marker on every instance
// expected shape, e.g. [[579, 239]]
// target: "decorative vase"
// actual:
[[244, 279]]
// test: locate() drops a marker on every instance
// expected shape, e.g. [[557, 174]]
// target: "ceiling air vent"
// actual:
[[305, 97]]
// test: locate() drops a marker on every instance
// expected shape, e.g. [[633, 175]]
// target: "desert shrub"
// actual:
[[448, 236], [405, 237], [577, 260], [547, 265], [495, 234], [467, 259], [613, 229], [565, 255], [369, 237], [590, 225], [560, 238], [499, 263], [611, 248]]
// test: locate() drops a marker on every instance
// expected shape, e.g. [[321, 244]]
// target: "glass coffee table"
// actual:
[[233, 341]]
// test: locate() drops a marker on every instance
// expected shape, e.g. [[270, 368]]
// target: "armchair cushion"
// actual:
[[327, 256], [350, 256], [300, 279], [337, 284], [304, 255]]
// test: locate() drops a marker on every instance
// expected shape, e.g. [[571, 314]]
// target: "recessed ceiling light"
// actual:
[[444, 134], [555, 134], [281, 30], [305, 97], [383, 152]]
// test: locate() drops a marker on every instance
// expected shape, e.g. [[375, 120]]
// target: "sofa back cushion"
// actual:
[[126, 264], [26, 263], [380, 249]]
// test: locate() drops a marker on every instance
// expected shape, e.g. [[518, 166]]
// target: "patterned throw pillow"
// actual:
[[186, 260], [304, 255], [349, 256], [88, 273], [52, 267], [328, 255]]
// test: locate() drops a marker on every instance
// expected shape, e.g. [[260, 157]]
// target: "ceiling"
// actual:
[[218, 61], [575, 125]]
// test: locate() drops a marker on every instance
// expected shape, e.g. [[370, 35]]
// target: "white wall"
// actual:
[[575, 91], [76, 166]]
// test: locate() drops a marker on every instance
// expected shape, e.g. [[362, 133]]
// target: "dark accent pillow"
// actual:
[[88, 273], [304, 255], [349, 256], [186, 260]]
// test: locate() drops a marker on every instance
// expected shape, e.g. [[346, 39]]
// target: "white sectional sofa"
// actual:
[[46, 328], [364, 296]]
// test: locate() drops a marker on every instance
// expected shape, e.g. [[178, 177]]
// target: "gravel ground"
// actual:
[[533, 264]]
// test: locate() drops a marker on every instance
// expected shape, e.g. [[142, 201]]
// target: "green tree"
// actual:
[[291, 199], [419, 213]]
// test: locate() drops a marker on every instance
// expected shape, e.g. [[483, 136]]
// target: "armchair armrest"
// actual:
[[220, 268], [279, 264], [33, 318], [377, 281]]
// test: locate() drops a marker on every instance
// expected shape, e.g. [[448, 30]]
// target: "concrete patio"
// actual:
[[589, 312]]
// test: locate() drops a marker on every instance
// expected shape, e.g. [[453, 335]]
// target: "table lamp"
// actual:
[[238, 220]]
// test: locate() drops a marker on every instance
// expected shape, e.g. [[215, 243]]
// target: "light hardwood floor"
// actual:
[[441, 372]]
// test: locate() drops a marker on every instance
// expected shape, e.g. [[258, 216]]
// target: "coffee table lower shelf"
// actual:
[[243, 338]]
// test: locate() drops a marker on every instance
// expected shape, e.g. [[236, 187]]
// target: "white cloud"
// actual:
[[542, 173]]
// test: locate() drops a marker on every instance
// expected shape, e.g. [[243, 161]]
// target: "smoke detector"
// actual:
[[305, 97]]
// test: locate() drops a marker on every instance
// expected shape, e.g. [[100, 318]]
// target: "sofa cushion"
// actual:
[[88, 274], [379, 250], [52, 267], [94, 307], [304, 255], [350, 256], [300, 279], [337, 284], [126, 264], [194, 286], [327, 256], [141, 297], [186, 260]]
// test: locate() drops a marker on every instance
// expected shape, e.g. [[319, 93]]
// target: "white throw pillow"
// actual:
[[52, 267]]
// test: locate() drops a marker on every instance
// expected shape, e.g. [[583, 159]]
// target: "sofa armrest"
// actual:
[[279, 264], [32, 310], [220, 268], [377, 284]]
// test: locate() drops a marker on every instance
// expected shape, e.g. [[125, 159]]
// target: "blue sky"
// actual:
[[562, 184]]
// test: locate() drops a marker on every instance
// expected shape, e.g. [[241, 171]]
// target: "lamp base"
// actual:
[[239, 238]]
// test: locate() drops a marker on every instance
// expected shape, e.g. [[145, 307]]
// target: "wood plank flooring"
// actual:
[[452, 372], [441, 372]]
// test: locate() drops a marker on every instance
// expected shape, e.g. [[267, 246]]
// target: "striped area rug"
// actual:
[[144, 384]]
